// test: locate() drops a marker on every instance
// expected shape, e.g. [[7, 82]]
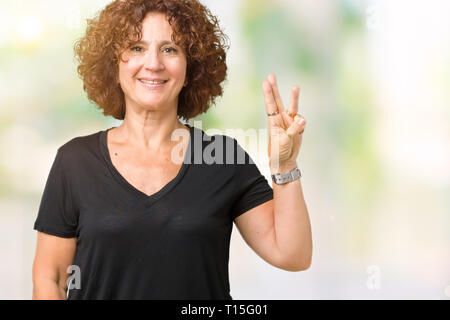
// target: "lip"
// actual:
[[152, 86], [151, 79]]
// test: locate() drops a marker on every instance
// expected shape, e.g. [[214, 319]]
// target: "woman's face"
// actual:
[[155, 57]]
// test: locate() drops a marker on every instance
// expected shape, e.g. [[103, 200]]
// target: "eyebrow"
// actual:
[[160, 43]]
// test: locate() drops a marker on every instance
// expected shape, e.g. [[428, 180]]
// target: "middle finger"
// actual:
[[276, 94]]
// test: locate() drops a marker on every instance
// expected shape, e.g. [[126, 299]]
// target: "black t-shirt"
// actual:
[[173, 244]]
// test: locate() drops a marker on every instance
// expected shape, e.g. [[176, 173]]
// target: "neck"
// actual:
[[151, 132]]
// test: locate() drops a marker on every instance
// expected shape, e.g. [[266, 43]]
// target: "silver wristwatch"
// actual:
[[282, 178]]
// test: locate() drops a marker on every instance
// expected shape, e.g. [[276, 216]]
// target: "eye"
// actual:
[[171, 49], [136, 49]]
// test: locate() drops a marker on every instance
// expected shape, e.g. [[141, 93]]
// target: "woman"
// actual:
[[117, 208]]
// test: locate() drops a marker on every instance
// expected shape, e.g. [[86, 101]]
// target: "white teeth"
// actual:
[[152, 82]]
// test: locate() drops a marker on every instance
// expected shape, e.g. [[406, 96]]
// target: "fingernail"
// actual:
[[272, 78]]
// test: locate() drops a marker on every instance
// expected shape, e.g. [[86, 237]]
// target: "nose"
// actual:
[[153, 60]]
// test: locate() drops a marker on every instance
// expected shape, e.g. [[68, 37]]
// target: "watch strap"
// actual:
[[282, 178]]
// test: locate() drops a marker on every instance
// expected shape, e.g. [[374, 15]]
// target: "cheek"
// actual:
[[178, 69], [127, 70]]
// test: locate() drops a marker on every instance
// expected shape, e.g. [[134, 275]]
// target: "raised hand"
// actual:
[[285, 127]]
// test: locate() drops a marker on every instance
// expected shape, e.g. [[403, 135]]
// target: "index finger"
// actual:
[[271, 105]]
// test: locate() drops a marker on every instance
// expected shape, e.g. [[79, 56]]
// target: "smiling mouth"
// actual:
[[152, 84]]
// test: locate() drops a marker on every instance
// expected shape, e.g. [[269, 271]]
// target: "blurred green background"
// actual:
[[374, 79]]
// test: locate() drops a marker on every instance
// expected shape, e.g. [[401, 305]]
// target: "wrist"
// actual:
[[283, 168], [286, 177]]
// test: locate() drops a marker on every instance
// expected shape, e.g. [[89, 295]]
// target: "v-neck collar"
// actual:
[[146, 199]]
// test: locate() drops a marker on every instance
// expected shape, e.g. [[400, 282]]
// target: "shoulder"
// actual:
[[80, 147], [221, 146], [212, 135]]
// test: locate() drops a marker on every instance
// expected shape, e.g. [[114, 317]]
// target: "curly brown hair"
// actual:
[[119, 26]]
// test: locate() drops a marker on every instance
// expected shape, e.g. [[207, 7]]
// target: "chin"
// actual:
[[152, 104]]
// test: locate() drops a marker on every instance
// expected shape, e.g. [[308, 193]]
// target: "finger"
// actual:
[[271, 106], [293, 105], [297, 126], [276, 93], [286, 120]]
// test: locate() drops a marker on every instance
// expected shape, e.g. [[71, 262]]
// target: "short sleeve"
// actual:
[[57, 214], [252, 187]]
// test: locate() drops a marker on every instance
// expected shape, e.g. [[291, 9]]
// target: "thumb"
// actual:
[[296, 127]]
